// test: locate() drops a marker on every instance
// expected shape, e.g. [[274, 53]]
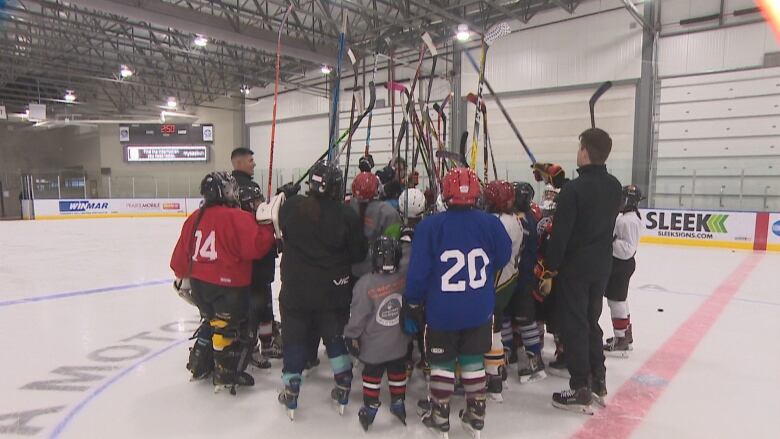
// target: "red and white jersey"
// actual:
[[222, 248]]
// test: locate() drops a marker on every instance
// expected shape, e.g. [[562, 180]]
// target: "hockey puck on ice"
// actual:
[[660, 310]]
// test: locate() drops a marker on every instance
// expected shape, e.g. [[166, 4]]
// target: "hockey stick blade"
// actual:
[[464, 139], [471, 97], [426, 37], [593, 99]]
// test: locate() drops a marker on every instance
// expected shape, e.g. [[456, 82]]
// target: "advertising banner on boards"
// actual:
[[699, 228]]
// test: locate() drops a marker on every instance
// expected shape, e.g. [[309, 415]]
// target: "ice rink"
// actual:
[[94, 343]]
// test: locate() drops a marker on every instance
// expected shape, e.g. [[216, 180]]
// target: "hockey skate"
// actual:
[[435, 416], [340, 395], [229, 372], [260, 361], [398, 409], [558, 366], [289, 397], [618, 347], [599, 389], [578, 401], [201, 361], [494, 388], [425, 367], [366, 415], [473, 417], [533, 369]]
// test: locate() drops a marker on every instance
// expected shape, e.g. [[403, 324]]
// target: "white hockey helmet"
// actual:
[[416, 203]]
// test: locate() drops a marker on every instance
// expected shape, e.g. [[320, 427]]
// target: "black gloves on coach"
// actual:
[[289, 189]]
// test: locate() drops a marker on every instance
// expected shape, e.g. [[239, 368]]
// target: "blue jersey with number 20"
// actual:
[[455, 256]]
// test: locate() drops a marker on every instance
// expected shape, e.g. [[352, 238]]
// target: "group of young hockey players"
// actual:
[[474, 281]]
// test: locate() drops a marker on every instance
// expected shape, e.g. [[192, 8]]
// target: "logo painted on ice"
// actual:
[[776, 228], [82, 206]]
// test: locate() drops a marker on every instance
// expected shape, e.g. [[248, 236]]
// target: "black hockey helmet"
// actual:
[[386, 254], [219, 187], [632, 195], [325, 179], [524, 195], [249, 197]]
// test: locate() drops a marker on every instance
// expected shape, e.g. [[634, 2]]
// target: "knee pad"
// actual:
[[225, 333]]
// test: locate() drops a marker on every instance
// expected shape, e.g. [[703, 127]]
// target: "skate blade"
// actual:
[[617, 354], [496, 397], [528, 379], [600, 401], [476, 434], [341, 409], [575, 408], [218, 388], [291, 414]]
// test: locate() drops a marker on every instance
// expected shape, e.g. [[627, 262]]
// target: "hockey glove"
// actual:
[[413, 318], [353, 346], [268, 213], [366, 163], [289, 189], [184, 290], [545, 279], [549, 173]]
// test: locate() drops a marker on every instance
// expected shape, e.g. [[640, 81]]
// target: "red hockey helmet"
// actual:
[[365, 186], [460, 187], [499, 196]]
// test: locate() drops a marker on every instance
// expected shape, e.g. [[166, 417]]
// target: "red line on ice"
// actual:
[[627, 408]]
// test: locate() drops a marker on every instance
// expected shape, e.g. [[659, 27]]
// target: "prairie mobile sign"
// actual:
[[699, 228]]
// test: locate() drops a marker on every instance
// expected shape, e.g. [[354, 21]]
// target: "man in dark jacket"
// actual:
[[579, 259], [263, 271]]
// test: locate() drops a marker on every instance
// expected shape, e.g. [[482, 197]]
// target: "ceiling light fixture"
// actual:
[[172, 104], [325, 69], [245, 89], [70, 96], [201, 41], [463, 33], [125, 71]]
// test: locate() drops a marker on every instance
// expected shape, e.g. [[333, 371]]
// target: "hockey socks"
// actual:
[[532, 337], [621, 318], [473, 376], [442, 384]]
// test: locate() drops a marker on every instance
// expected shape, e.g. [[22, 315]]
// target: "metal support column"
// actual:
[[458, 105], [643, 167]]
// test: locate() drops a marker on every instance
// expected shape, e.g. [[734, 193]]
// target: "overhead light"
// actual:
[[201, 41], [463, 33], [325, 69], [70, 96], [245, 89], [172, 104], [125, 71]]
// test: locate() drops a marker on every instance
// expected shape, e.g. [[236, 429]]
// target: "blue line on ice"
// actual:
[[65, 295]]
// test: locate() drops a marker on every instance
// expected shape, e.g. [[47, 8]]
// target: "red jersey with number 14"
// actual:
[[221, 250]]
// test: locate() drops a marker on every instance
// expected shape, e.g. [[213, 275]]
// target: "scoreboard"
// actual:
[[166, 142]]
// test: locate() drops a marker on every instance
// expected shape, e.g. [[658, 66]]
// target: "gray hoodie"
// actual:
[[378, 218], [375, 315]]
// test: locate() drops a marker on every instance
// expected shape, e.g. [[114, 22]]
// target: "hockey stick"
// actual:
[[491, 35], [464, 138], [351, 116], [351, 129], [452, 156], [371, 113], [503, 111], [337, 89], [593, 99], [276, 98], [471, 97]]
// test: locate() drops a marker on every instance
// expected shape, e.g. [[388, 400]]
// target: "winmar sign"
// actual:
[[686, 224]]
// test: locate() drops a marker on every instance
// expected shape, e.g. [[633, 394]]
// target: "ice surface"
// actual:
[[124, 332]]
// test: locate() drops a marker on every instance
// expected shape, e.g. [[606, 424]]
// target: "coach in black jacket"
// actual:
[[579, 258]]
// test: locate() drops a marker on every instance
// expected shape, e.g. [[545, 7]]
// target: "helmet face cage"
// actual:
[[524, 195], [250, 197], [385, 255], [549, 200], [632, 195], [219, 188]]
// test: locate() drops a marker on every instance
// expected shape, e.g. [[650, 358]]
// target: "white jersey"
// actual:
[[627, 230], [515, 231]]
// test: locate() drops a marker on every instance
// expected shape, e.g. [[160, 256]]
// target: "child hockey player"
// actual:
[[499, 200], [376, 216], [374, 333], [530, 368], [322, 239], [213, 257], [455, 257], [627, 230]]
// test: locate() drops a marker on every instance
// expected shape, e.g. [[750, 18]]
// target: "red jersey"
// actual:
[[221, 250]]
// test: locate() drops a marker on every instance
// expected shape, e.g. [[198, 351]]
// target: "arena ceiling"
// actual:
[[48, 47]]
